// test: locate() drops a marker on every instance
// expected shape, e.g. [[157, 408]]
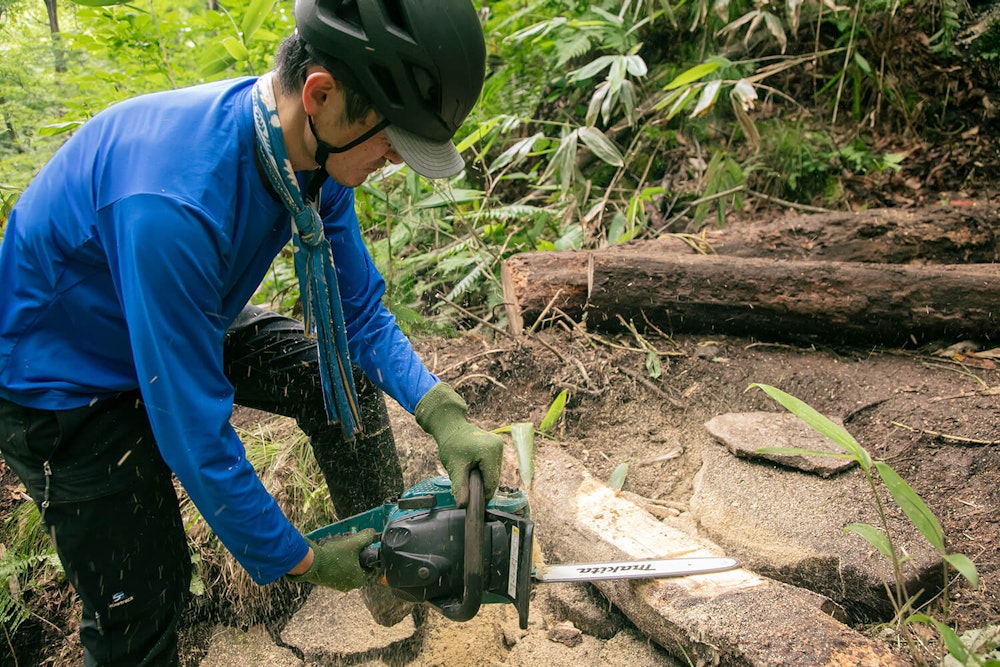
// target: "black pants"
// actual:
[[108, 501]]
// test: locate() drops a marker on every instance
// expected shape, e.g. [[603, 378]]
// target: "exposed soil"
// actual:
[[933, 418]]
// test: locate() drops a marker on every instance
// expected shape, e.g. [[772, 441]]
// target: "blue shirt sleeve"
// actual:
[[167, 268], [377, 345]]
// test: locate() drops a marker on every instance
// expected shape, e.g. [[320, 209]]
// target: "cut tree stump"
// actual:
[[725, 618], [769, 299]]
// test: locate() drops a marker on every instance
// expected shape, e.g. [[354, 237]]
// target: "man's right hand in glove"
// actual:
[[336, 562]]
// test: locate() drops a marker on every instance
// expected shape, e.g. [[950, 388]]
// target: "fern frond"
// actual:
[[575, 46]]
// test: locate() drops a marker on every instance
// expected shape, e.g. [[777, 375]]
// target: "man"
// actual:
[[124, 337]]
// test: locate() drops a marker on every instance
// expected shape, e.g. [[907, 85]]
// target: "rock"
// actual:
[[789, 526], [230, 646], [745, 433], [333, 625], [566, 633]]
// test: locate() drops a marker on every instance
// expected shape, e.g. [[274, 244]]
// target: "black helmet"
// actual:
[[421, 62]]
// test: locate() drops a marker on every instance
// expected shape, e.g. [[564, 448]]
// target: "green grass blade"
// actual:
[[873, 536], [837, 434], [964, 566], [554, 412]]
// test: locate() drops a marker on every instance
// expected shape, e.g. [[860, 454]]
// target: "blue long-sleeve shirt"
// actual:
[[125, 261]]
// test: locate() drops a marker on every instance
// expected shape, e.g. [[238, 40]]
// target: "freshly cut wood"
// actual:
[[725, 618], [839, 302]]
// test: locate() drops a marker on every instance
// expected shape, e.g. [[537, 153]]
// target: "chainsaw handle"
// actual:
[[369, 558], [475, 520]]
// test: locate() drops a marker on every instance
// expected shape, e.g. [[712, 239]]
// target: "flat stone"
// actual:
[[230, 646], [333, 625], [789, 526], [744, 433]]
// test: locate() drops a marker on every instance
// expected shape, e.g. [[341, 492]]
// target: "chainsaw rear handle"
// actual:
[[475, 520]]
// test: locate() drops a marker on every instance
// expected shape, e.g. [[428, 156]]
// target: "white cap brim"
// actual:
[[433, 159]]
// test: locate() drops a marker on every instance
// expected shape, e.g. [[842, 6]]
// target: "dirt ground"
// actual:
[[933, 418]]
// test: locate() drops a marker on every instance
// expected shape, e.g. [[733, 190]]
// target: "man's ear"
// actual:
[[319, 91]]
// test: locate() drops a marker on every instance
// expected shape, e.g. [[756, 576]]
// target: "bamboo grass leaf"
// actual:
[[618, 475], [873, 536], [602, 147], [912, 506], [951, 639], [554, 412], [254, 17], [693, 74], [964, 566], [834, 432]]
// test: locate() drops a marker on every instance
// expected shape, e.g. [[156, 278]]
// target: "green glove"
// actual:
[[336, 562], [461, 446]]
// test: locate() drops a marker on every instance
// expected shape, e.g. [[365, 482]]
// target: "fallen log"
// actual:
[[836, 302], [932, 234], [725, 618]]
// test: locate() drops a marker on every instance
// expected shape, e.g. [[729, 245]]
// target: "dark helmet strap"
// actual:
[[325, 150]]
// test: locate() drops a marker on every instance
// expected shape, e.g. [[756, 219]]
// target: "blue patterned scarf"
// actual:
[[322, 311]]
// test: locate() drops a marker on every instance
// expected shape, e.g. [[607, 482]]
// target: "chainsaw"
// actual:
[[427, 549]]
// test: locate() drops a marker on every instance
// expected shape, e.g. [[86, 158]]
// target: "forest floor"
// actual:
[[934, 419]]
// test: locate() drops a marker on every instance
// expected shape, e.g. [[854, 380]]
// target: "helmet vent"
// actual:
[[348, 12], [383, 77], [427, 86], [396, 17]]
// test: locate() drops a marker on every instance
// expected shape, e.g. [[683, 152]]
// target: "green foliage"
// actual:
[[583, 105], [28, 563], [881, 537]]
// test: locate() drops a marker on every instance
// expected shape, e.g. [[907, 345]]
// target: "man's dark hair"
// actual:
[[291, 63]]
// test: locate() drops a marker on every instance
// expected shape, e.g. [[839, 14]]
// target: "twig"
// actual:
[[10, 644], [479, 375], [991, 391], [789, 204], [945, 436], [652, 387], [458, 364], [477, 318], [545, 311], [582, 390]]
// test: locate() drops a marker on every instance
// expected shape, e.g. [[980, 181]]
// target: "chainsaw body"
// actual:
[[430, 550]]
